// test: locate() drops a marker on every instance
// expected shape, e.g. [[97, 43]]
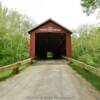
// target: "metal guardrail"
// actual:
[[15, 66], [87, 67]]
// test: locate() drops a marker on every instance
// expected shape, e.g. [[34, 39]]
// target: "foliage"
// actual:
[[14, 41], [6, 74], [86, 47], [13, 48], [89, 6]]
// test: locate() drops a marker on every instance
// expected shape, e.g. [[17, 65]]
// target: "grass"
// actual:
[[22, 67], [92, 78], [8, 73]]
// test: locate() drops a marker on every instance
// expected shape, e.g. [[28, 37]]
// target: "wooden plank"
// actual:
[[14, 65], [85, 66]]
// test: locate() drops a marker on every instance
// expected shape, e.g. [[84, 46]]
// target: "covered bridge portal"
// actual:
[[50, 37]]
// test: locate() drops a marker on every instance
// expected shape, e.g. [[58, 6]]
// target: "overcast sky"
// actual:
[[66, 12]]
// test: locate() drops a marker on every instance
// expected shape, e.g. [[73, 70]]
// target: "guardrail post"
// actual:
[[15, 70], [32, 60]]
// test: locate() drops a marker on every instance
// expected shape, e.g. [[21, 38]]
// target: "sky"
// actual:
[[66, 12]]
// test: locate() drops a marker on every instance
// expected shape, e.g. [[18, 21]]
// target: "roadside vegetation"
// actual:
[[92, 78], [14, 40], [86, 46], [8, 72]]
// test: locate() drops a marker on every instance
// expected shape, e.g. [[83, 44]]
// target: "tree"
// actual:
[[89, 6], [86, 47], [13, 43]]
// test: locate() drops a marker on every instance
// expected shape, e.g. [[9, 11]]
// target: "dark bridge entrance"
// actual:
[[50, 45], [50, 39]]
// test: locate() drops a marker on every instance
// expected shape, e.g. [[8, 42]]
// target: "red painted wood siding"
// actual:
[[68, 45], [32, 45]]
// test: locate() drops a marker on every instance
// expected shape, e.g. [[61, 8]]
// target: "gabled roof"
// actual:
[[50, 20]]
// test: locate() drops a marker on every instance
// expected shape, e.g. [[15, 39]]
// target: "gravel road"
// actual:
[[47, 80]]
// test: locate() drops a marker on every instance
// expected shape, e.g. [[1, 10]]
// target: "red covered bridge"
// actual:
[[50, 37]]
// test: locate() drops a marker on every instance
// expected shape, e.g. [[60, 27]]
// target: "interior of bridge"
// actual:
[[50, 45]]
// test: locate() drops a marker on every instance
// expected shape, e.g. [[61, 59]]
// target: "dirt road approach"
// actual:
[[47, 80]]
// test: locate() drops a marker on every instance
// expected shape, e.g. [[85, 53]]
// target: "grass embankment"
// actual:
[[92, 78], [8, 73]]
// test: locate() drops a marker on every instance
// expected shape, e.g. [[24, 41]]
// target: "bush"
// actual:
[[87, 59], [86, 47], [96, 59]]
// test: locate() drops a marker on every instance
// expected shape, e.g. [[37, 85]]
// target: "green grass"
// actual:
[[22, 67], [8, 73], [92, 78]]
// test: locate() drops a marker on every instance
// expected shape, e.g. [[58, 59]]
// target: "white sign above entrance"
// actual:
[[50, 29]]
